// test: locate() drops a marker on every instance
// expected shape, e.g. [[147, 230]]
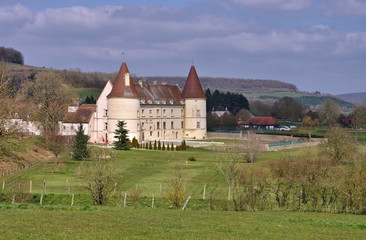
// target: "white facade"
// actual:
[[151, 112]]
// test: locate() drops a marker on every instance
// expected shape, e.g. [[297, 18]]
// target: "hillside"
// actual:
[[78, 79], [234, 85], [90, 83], [353, 97]]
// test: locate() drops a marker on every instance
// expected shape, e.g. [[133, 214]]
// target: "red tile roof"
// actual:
[[259, 121], [82, 114], [119, 86], [193, 88]]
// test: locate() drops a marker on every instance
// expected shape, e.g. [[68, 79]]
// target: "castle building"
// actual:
[[151, 111]]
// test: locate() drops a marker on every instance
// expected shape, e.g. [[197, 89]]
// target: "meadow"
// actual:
[[151, 171]]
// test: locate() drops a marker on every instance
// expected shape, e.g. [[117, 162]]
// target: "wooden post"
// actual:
[[204, 192], [72, 200], [185, 204], [3, 185], [152, 201], [124, 200], [41, 200], [30, 186], [115, 188], [13, 201]]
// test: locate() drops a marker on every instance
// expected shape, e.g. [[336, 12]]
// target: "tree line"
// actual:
[[232, 102], [11, 55]]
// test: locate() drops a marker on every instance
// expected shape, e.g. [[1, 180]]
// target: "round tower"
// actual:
[[194, 107], [122, 104]]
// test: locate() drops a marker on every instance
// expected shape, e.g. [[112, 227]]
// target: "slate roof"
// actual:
[[259, 121], [193, 88]]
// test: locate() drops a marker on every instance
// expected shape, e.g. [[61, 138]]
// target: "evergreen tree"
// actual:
[[150, 146], [163, 147], [167, 147], [155, 146], [122, 142], [172, 147], [80, 148], [159, 145]]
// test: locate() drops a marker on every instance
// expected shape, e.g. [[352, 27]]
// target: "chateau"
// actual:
[[151, 111]]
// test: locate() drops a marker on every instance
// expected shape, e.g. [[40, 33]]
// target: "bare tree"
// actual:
[[51, 97], [99, 178], [6, 104], [341, 145], [308, 124], [176, 193], [329, 112]]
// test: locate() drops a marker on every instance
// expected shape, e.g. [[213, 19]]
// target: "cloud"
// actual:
[[287, 5], [345, 8]]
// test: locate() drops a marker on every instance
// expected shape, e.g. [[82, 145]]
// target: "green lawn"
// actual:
[[137, 223], [84, 92]]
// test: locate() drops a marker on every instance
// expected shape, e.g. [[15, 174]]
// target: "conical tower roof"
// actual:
[[193, 88], [123, 87]]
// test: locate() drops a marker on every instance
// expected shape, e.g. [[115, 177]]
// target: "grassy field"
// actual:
[[84, 92], [138, 223], [56, 219]]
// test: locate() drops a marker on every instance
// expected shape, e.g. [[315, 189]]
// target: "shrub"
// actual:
[[192, 159]]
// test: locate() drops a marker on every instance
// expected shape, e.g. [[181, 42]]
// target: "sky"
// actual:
[[318, 45]]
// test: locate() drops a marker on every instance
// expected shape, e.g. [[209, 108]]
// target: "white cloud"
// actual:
[[345, 8], [287, 5]]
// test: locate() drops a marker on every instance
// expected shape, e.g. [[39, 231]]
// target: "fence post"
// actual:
[[124, 200], [30, 186], [204, 192], [41, 200], [185, 204], [152, 201], [3, 185], [72, 200]]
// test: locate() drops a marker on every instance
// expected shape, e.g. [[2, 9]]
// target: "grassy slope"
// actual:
[[56, 220], [84, 92]]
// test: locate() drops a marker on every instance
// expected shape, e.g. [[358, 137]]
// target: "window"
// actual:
[[106, 126], [171, 125], [164, 113], [198, 125], [158, 134], [181, 113], [150, 112], [164, 125], [198, 113], [143, 112], [143, 125], [172, 112], [105, 112], [158, 112], [151, 133], [158, 125], [181, 124]]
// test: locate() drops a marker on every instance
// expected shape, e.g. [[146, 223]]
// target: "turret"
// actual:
[[195, 107], [123, 104]]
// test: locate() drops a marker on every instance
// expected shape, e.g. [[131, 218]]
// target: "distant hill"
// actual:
[[233, 85], [353, 97], [83, 84]]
